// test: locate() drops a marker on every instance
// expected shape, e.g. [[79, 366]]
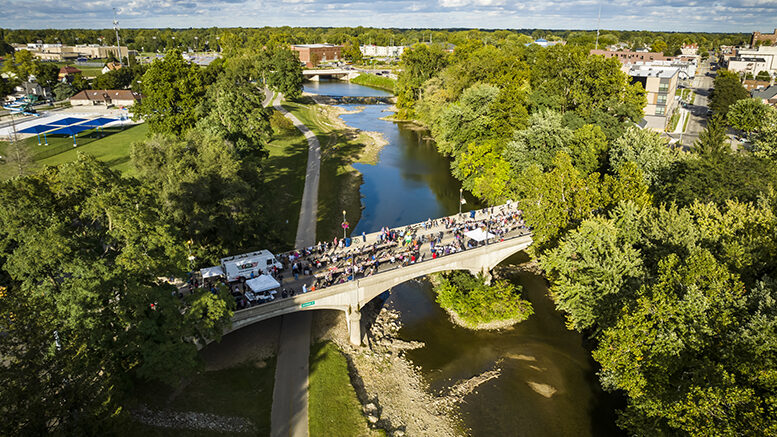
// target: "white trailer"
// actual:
[[244, 265]]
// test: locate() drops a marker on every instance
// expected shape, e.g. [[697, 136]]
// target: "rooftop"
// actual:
[[314, 46], [660, 72], [766, 93]]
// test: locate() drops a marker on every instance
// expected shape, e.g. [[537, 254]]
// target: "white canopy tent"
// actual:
[[262, 283], [479, 235], [211, 272]]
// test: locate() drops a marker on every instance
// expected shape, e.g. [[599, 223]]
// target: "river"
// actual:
[[548, 385]]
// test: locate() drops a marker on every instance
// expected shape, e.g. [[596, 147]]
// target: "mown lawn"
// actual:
[[243, 391], [333, 409], [284, 173], [111, 145]]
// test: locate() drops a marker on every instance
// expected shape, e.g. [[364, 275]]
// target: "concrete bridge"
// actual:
[[351, 296], [335, 73]]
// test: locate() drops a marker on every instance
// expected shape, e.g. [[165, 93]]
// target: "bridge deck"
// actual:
[[425, 263]]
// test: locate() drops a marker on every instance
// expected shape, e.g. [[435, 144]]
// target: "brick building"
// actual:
[[761, 37], [313, 54], [629, 57]]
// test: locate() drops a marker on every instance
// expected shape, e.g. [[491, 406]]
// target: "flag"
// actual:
[[463, 201]]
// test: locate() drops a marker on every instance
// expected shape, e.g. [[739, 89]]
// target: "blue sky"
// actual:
[[673, 15]]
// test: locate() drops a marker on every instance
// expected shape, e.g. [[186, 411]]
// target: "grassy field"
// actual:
[[111, 145], [339, 183], [284, 173], [381, 82], [333, 408], [243, 391]]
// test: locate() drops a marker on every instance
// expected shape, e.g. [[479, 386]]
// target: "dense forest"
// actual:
[[663, 258]]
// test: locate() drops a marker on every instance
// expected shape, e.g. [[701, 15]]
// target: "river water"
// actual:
[[548, 385]]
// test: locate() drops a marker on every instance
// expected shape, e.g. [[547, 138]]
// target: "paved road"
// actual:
[[290, 395], [698, 111]]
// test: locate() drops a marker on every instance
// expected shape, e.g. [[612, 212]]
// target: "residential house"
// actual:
[[105, 97]]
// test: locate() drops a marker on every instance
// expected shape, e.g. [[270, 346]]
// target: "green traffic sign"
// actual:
[[307, 304]]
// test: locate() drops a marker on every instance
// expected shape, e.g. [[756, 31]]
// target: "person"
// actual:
[[364, 237], [304, 289]]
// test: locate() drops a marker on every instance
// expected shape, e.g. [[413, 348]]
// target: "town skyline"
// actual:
[[669, 16]]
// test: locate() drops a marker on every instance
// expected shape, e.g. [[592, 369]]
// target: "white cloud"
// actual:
[[676, 15]]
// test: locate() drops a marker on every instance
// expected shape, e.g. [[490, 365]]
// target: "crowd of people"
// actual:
[[341, 260]]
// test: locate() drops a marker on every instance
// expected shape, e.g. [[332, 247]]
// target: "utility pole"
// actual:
[[598, 26], [118, 43]]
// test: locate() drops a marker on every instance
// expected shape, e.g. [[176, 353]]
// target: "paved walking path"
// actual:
[[290, 395]]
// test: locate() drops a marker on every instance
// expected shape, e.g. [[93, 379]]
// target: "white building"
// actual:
[[764, 58], [373, 51], [686, 68]]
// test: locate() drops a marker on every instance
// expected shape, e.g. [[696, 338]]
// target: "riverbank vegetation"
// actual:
[[476, 305], [372, 80], [664, 258]]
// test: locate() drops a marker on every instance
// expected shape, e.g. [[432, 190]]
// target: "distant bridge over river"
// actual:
[[351, 296], [334, 73]]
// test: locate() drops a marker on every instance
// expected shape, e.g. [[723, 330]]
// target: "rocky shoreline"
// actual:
[[393, 393]]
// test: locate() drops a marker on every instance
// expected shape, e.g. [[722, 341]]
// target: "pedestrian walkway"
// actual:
[[290, 395]]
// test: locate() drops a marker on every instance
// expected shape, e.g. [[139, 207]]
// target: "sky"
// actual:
[[668, 15]]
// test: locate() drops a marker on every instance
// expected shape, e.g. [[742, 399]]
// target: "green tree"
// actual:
[[79, 83], [538, 144], [466, 120], [659, 46], [717, 178], [46, 74], [22, 66], [747, 114], [727, 90], [484, 173], [209, 193], [63, 91], [286, 73], [172, 89], [351, 51], [588, 148], [86, 311], [712, 140], [234, 112], [765, 141], [763, 75], [646, 148], [594, 269], [419, 63]]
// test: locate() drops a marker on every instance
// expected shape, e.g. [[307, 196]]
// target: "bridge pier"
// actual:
[[355, 326]]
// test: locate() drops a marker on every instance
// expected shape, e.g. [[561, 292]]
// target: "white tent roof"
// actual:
[[262, 283], [479, 234], [210, 272]]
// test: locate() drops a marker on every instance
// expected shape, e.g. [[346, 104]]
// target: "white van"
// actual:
[[257, 263]]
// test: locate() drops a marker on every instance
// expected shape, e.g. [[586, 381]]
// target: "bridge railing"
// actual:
[[301, 299]]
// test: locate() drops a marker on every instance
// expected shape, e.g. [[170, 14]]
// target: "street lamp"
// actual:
[[344, 225], [461, 199]]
